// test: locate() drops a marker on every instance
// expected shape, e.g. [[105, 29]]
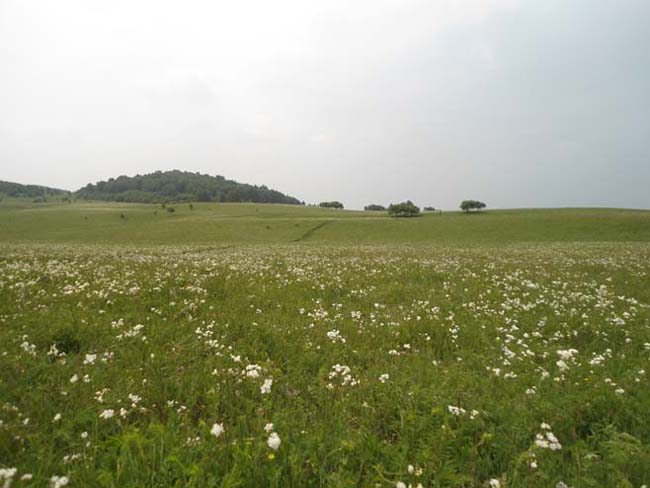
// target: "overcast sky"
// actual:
[[516, 103]]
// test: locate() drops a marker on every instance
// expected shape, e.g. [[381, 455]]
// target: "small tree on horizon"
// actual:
[[333, 204], [469, 205]]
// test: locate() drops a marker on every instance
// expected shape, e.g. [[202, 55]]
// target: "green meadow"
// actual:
[[127, 223], [249, 345]]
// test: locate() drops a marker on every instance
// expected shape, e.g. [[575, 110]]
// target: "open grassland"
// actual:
[[101, 222], [422, 358]]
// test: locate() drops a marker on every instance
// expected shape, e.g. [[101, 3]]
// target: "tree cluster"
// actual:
[[333, 204], [469, 205], [375, 207], [180, 186], [404, 209]]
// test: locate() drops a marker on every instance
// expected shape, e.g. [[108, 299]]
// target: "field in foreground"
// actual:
[[315, 365]]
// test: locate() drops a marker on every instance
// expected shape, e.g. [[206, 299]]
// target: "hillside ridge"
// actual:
[[180, 186], [20, 190]]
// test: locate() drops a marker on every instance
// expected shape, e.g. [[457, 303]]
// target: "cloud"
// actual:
[[512, 102]]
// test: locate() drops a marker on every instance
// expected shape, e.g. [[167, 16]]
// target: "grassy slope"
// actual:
[[479, 328], [258, 223]]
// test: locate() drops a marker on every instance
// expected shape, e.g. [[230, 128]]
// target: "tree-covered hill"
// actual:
[[19, 190], [180, 186]]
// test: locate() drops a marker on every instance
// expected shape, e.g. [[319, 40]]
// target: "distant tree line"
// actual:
[[409, 209], [18, 190], [180, 186], [183, 186]]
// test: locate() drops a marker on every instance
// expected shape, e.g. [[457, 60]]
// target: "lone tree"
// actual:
[[404, 209], [375, 207], [469, 205], [333, 204]]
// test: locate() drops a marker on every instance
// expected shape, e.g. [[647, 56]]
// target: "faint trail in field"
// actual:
[[309, 232], [202, 249]]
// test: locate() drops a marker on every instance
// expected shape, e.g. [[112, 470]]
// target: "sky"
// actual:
[[515, 103]]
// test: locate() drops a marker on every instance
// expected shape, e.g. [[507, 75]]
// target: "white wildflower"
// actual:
[[58, 481], [274, 441], [266, 386], [217, 430], [90, 358], [7, 475], [253, 371], [107, 414]]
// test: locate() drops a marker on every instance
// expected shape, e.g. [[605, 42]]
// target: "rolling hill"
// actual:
[[180, 186], [18, 190]]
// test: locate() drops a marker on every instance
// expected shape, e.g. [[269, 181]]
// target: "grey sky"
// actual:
[[516, 103]]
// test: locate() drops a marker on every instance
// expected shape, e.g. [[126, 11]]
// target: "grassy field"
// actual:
[[253, 223], [252, 345]]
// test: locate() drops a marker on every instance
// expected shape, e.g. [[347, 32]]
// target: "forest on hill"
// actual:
[[180, 186], [19, 190]]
